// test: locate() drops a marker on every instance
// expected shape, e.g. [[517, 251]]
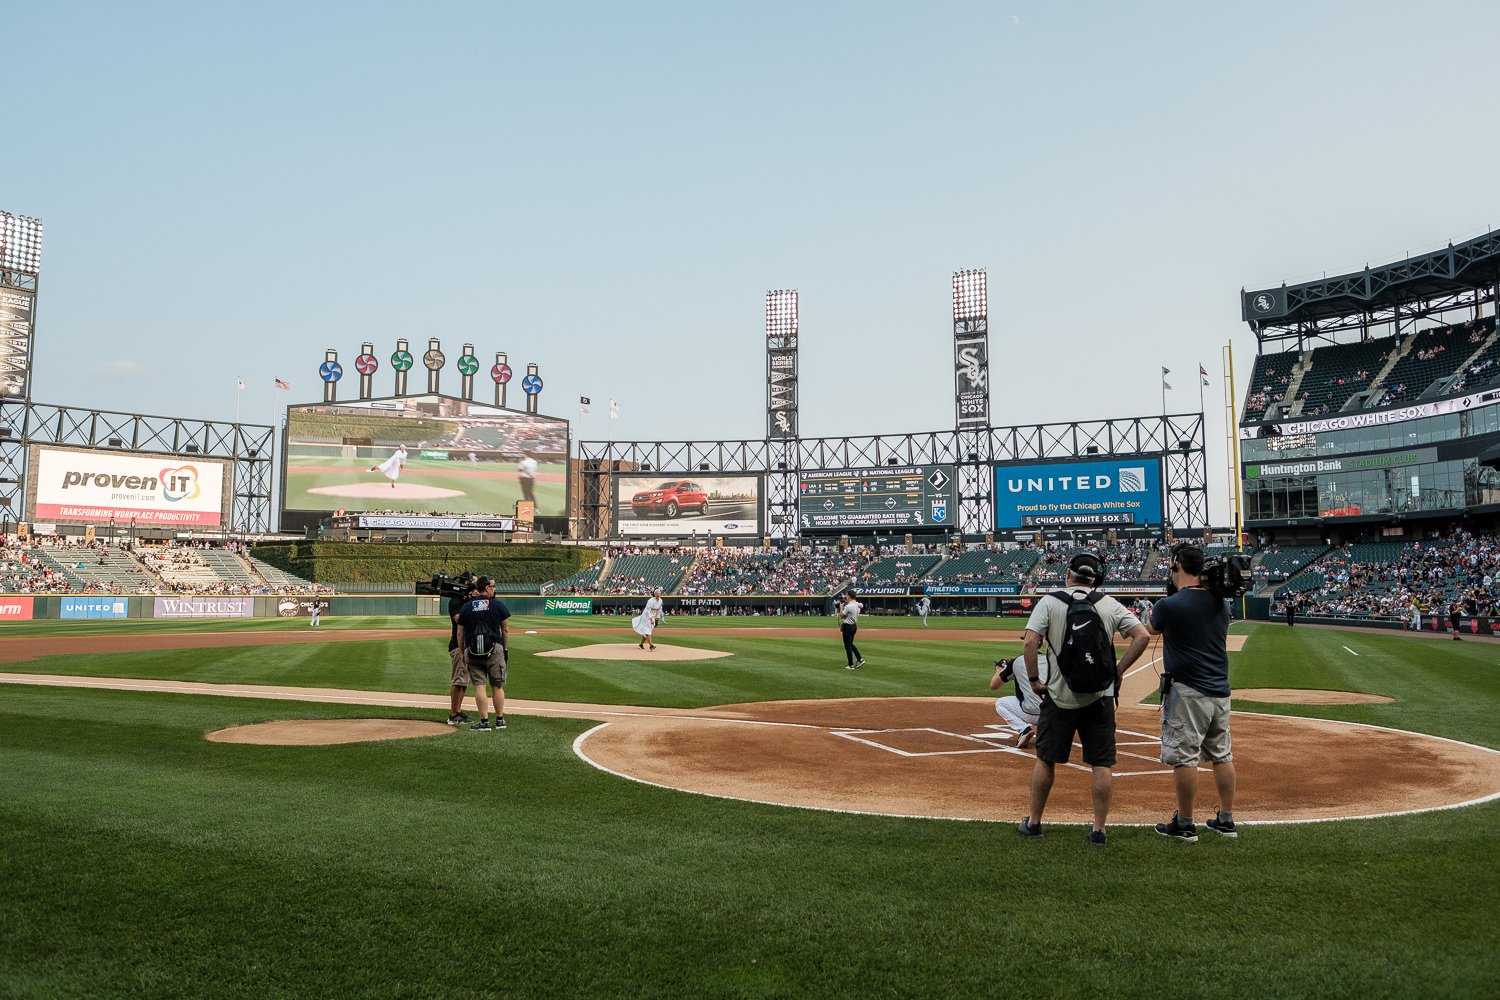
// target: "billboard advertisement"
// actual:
[[204, 607], [885, 497], [93, 607], [15, 609], [426, 454], [677, 505], [301, 607], [1116, 491], [76, 484], [568, 606]]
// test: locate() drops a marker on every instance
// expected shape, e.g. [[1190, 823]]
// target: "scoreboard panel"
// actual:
[[888, 497]]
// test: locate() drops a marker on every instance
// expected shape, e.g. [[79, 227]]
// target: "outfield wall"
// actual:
[[35, 607]]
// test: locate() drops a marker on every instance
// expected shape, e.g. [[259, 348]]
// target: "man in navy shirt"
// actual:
[[1195, 693], [488, 619]]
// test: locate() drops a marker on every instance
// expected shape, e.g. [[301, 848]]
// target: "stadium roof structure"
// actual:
[[1460, 276]]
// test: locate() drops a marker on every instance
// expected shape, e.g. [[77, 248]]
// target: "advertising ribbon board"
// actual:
[[15, 609], [93, 607], [568, 606], [204, 607]]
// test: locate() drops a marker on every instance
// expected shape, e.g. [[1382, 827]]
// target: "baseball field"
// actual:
[[426, 485], [757, 824]]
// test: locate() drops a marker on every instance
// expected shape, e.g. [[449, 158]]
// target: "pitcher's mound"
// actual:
[[322, 732], [630, 651], [1298, 696], [382, 490]]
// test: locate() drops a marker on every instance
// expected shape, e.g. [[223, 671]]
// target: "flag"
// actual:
[[584, 401], [1205, 381], [614, 410], [1202, 371], [1166, 371], [241, 382], [282, 384], [1164, 384]]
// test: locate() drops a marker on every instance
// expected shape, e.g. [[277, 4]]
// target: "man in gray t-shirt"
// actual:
[[1065, 712]]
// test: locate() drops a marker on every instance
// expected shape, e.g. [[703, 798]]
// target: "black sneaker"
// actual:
[[861, 662], [458, 720], [1178, 830], [499, 722], [482, 726], [1222, 826], [1098, 837], [1029, 830]]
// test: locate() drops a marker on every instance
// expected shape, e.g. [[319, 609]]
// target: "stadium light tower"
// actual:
[[20, 264], [971, 398], [782, 328]]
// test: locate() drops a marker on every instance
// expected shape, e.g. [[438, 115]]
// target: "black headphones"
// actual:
[[1087, 566]]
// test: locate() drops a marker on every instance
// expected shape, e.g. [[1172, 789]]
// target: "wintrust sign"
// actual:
[[76, 485]]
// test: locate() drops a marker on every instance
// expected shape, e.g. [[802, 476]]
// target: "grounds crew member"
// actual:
[[484, 638], [1066, 711], [1194, 624]]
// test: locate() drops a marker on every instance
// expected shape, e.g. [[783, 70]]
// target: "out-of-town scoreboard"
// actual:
[[895, 497]]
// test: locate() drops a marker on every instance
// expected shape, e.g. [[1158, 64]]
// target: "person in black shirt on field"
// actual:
[[1194, 625], [485, 618], [459, 670]]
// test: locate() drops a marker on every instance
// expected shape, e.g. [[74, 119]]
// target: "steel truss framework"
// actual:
[[1178, 438], [248, 446], [1395, 296]]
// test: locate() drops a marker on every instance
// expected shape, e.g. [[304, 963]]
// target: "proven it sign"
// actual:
[[76, 485], [568, 606]]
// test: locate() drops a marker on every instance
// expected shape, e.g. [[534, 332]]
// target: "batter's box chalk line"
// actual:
[[870, 738]]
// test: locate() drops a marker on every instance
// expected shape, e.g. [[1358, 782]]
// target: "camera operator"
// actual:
[[484, 641], [1194, 623], [459, 682]]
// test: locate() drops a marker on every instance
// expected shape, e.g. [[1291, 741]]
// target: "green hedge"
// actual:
[[369, 562]]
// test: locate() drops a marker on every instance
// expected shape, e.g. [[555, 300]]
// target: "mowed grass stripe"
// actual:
[[148, 861]]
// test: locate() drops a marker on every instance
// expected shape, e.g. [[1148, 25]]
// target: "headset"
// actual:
[[1087, 566]]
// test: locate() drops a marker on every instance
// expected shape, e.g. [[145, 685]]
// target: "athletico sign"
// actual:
[[74, 485]]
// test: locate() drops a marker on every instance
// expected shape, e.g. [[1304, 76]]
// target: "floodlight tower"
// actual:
[[20, 267], [782, 327], [971, 398]]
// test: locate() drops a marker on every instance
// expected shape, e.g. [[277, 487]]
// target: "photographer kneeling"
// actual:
[[1194, 622]]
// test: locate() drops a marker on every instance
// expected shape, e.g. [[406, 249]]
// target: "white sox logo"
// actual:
[[782, 423], [969, 362], [1263, 303]]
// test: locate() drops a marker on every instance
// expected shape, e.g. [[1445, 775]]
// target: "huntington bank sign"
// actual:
[[1117, 491]]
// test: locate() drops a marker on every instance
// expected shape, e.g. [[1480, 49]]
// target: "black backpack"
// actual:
[[1087, 654], [479, 641]]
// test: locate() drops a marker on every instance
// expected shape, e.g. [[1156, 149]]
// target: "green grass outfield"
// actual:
[[139, 859]]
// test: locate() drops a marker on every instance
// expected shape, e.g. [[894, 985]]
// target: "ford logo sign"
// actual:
[[730, 526]]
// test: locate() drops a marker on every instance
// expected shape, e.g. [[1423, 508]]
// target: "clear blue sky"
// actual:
[[608, 190]]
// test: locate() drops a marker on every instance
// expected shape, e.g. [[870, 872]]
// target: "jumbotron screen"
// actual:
[[684, 506], [1123, 491], [423, 455], [896, 497]]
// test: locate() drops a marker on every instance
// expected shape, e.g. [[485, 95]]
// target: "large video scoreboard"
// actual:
[[895, 497]]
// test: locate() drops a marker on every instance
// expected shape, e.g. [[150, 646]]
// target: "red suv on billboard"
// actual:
[[669, 498]]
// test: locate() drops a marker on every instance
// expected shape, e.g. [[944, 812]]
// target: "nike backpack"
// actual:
[[1087, 654]]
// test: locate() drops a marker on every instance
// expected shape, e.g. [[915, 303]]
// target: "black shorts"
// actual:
[[1094, 724]]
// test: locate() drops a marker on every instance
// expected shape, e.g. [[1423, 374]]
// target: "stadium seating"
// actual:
[[1338, 371], [815, 570], [1269, 381], [280, 580], [900, 570], [635, 573], [983, 566], [1433, 354], [1279, 563], [730, 571], [584, 581]]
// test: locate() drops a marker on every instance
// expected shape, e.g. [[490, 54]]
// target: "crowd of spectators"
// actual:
[[730, 571], [46, 564], [1428, 576]]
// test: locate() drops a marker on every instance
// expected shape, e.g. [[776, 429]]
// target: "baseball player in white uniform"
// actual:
[[924, 606], [391, 467], [1020, 713]]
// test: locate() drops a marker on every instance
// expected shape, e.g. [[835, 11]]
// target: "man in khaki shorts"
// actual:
[[458, 682], [1194, 624], [483, 637]]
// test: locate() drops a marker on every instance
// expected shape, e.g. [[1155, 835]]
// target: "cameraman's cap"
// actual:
[[1086, 566]]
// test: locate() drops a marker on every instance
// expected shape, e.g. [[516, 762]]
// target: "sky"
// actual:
[[608, 191]]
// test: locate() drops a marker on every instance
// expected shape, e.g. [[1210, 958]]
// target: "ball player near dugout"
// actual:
[[1066, 710]]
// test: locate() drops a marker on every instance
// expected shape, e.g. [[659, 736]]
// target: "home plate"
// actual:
[[630, 651]]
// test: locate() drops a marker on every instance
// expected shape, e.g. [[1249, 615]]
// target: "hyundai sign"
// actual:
[[1120, 491]]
